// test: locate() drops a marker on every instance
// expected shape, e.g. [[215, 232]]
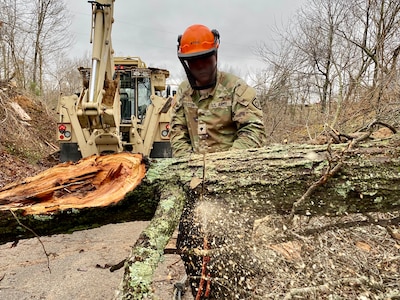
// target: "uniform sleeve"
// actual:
[[247, 114], [179, 135]]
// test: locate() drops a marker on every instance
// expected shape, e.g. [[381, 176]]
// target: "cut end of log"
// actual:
[[94, 181]]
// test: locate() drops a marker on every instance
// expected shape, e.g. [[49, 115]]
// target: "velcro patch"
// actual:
[[201, 129]]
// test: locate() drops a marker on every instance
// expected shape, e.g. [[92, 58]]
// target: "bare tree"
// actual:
[[379, 43], [11, 41], [64, 77], [345, 53], [49, 20], [30, 34]]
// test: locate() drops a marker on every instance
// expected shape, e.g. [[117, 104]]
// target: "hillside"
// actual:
[[27, 135]]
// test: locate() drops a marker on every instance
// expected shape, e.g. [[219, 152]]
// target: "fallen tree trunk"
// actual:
[[270, 180], [285, 179], [149, 248], [95, 191]]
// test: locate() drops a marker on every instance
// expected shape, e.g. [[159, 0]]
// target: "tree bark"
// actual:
[[149, 248], [271, 180], [283, 179], [262, 182]]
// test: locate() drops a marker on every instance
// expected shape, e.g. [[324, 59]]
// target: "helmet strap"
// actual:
[[192, 79]]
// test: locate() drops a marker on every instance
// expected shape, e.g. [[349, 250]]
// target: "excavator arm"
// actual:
[[95, 114], [102, 58]]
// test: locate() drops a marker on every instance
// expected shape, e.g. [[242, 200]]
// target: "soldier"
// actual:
[[214, 110]]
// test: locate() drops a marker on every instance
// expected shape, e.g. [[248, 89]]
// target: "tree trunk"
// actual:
[[287, 180], [292, 179], [94, 191]]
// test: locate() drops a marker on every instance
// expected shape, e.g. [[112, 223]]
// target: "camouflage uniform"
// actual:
[[229, 117]]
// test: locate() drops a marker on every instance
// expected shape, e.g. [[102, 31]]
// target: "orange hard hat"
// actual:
[[197, 40]]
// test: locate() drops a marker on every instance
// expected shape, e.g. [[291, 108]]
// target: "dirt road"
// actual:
[[76, 268]]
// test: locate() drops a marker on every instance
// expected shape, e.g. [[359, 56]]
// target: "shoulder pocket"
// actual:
[[245, 94]]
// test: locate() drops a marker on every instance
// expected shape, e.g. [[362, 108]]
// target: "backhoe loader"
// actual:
[[120, 107]]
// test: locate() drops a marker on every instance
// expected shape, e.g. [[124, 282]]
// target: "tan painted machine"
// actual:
[[120, 107]]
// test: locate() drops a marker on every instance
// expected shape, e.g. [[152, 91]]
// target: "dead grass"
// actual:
[[28, 139], [25, 145], [307, 123]]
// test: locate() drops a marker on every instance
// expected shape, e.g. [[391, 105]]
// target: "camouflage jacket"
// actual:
[[228, 117]]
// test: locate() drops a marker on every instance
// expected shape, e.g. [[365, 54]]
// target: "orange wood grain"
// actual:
[[93, 181]]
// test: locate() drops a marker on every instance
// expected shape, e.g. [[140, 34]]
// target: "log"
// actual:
[[94, 191], [284, 179], [270, 180], [304, 180], [149, 248]]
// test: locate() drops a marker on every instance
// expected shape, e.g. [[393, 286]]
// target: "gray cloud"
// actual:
[[149, 29]]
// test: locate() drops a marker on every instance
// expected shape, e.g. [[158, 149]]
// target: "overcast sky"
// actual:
[[149, 29]]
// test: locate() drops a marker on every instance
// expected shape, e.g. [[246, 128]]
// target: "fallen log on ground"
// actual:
[[287, 180], [71, 196], [253, 185]]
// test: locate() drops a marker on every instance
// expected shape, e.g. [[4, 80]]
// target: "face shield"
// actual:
[[201, 70], [197, 52]]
